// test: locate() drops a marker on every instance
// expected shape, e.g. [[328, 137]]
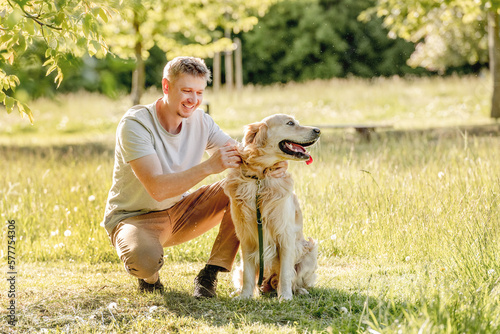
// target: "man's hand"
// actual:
[[279, 169], [225, 157]]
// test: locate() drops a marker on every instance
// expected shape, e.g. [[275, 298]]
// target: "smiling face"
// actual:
[[184, 94]]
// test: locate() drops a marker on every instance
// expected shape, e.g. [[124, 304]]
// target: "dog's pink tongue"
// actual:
[[310, 161]]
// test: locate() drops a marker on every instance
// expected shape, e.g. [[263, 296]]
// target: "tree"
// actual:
[[321, 39], [193, 27], [64, 26], [447, 33]]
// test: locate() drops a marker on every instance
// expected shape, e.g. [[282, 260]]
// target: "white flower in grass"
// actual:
[[67, 233], [333, 237], [112, 306], [491, 272], [407, 258], [54, 233], [91, 198], [441, 175], [344, 310], [153, 308]]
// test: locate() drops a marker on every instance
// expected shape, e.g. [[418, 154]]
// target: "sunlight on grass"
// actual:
[[403, 103]]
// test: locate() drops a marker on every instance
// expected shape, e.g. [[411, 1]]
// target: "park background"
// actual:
[[407, 221]]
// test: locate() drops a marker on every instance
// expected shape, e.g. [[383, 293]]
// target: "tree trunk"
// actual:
[[238, 66], [228, 61], [138, 76], [494, 46], [216, 72]]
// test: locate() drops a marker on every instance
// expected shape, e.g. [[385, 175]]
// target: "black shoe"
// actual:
[[147, 287], [206, 282]]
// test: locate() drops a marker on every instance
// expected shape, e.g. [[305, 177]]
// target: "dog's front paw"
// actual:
[[285, 296], [235, 294], [302, 291], [244, 295]]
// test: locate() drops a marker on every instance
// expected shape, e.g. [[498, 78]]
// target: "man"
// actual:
[[158, 158]]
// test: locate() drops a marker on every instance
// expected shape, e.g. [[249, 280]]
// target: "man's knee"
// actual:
[[143, 261], [140, 252]]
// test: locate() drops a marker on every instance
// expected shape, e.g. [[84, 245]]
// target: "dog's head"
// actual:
[[280, 137]]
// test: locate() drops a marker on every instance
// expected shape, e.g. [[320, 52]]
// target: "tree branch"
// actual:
[[34, 18]]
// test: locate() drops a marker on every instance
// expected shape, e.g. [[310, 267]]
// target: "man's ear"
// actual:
[[256, 134], [165, 85]]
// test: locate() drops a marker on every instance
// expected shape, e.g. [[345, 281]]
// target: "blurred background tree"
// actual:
[[320, 40], [291, 40], [447, 33], [50, 33], [177, 27], [63, 26]]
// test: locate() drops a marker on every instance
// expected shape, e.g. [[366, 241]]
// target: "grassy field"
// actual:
[[408, 223]]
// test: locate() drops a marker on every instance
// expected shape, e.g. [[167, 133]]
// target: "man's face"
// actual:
[[185, 94]]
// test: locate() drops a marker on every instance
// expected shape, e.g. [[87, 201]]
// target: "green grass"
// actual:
[[408, 223]]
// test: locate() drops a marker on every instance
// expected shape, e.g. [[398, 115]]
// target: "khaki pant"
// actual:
[[139, 240]]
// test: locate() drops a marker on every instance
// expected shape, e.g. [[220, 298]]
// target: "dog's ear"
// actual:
[[255, 133]]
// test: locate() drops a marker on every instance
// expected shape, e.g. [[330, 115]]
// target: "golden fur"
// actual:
[[289, 259]]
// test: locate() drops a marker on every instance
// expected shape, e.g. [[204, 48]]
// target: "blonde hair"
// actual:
[[186, 65]]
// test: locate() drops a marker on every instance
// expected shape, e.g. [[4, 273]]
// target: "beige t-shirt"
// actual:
[[140, 133]]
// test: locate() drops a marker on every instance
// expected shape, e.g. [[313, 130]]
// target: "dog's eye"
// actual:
[[290, 123]]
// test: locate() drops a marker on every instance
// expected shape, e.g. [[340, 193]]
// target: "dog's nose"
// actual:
[[317, 131]]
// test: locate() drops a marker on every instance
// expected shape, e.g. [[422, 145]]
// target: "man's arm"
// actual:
[[162, 186]]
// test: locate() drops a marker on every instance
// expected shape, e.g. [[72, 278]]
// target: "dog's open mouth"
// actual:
[[297, 150]]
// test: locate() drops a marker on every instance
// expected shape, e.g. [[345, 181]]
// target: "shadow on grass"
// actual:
[[322, 310]]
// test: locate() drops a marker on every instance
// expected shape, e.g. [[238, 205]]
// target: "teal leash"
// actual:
[[261, 237]]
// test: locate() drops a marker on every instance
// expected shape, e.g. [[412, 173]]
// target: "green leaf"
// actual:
[[22, 42], [5, 38], [53, 43], [13, 18], [60, 18], [103, 15], [51, 69], [9, 104], [59, 77], [29, 26], [91, 49], [14, 81], [24, 109]]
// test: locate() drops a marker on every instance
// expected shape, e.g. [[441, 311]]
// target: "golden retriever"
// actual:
[[289, 259]]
